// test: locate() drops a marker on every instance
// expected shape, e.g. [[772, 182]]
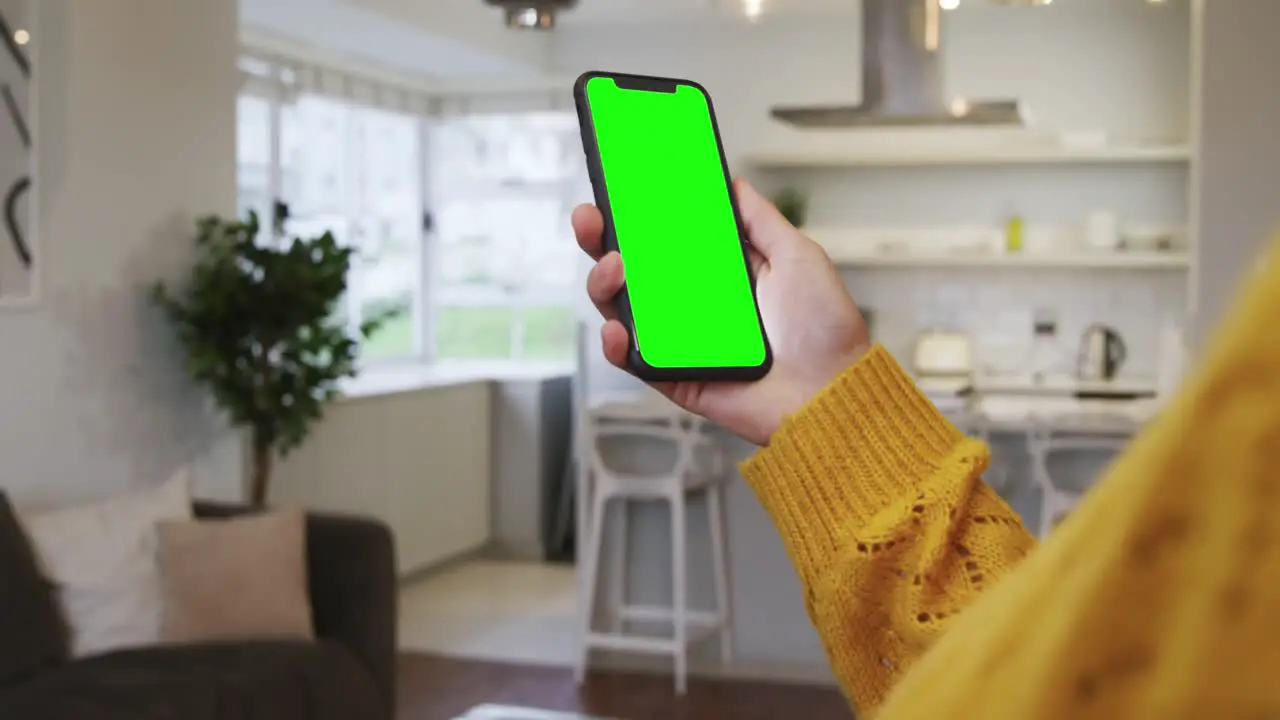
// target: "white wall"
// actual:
[[1238, 166], [1118, 65], [136, 136]]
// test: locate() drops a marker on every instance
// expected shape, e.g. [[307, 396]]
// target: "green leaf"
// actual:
[[259, 326]]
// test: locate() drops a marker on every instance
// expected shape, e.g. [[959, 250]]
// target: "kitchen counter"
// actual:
[[1054, 385], [1011, 413], [1023, 403], [1015, 424]]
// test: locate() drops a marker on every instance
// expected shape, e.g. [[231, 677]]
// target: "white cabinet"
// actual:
[[531, 449], [420, 461]]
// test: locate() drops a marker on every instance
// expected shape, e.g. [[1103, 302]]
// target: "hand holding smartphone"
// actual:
[[661, 182], [706, 264]]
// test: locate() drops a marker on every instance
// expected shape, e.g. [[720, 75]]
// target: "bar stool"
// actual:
[[699, 470], [1042, 442]]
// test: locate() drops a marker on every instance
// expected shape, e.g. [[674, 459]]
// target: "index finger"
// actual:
[[588, 226]]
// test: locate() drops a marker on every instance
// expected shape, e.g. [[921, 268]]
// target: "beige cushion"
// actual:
[[238, 579], [102, 559]]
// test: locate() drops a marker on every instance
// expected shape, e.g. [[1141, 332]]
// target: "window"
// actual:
[[253, 156], [356, 171], [460, 225], [502, 187]]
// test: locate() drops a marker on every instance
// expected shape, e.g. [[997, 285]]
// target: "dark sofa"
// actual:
[[348, 673]]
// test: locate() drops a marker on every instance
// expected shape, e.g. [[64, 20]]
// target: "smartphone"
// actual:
[[660, 179]]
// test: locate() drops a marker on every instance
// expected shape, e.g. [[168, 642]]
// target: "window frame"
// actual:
[[275, 82], [560, 190]]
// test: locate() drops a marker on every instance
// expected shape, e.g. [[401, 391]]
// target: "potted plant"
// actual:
[[792, 204], [261, 327]]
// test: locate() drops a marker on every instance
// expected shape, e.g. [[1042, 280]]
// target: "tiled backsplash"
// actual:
[[995, 307]]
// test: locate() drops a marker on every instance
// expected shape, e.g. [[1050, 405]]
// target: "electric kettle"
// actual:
[[1102, 352]]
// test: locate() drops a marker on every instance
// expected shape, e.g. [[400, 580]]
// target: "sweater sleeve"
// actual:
[[879, 501], [1156, 597]]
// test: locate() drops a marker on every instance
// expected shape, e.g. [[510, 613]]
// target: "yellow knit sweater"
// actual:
[[1159, 597]]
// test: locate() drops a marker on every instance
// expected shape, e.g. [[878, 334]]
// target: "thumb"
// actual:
[[767, 230]]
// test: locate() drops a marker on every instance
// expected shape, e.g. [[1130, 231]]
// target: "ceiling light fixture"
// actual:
[[532, 14], [753, 9], [948, 4], [22, 37]]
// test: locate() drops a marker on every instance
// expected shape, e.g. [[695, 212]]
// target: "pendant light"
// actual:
[[532, 14]]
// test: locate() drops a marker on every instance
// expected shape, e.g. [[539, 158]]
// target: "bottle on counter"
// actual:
[[1046, 356]]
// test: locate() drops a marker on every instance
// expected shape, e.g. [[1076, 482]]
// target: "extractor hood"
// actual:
[[902, 77]]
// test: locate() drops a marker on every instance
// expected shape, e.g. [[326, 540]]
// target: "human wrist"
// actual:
[[805, 387], [863, 386]]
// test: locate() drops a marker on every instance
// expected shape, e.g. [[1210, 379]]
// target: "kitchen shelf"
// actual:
[[1077, 261], [819, 157]]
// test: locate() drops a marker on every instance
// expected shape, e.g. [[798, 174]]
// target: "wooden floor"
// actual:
[[438, 688]]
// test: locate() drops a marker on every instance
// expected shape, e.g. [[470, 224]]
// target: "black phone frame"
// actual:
[[636, 363]]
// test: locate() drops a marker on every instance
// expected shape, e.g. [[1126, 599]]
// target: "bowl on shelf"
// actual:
[[1149, 239]]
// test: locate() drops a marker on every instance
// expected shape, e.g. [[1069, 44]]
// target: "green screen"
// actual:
[[687, 281]]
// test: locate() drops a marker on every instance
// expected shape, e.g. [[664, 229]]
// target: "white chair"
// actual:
[[699, 469], [1042, 442]]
